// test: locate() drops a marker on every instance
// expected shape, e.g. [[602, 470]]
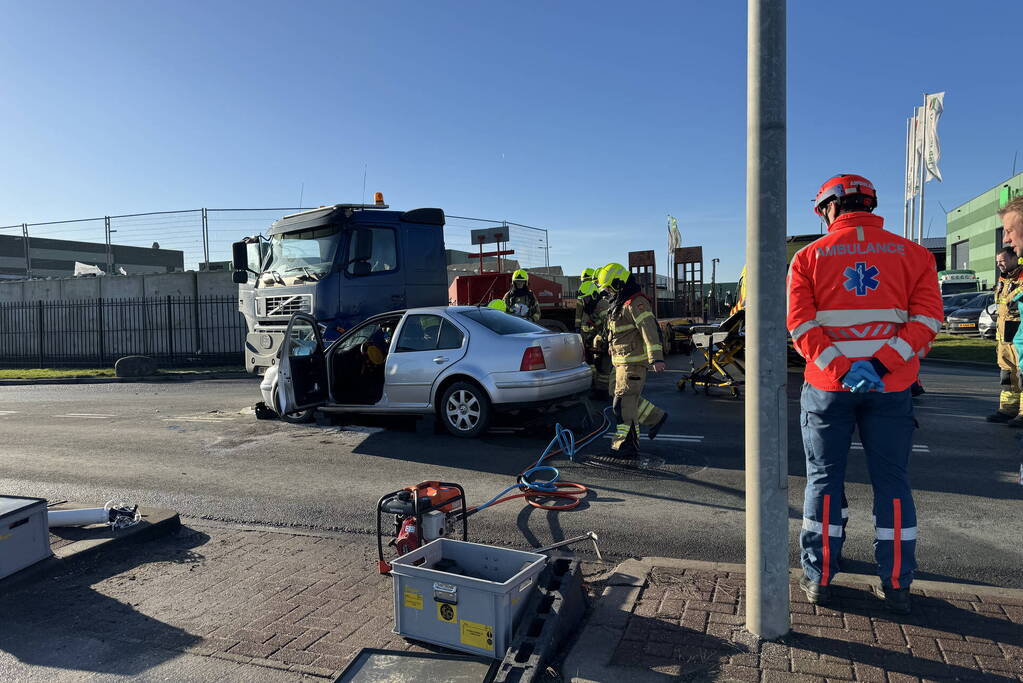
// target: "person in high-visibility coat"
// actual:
[[588, 275], [593, 329], [1010, 282], [863, 304], [635, 344], [520, 300]]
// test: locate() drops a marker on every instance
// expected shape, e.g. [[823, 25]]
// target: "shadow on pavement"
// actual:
[[61, 622]]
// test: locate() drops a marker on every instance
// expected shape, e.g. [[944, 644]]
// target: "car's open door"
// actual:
[[302, 375]]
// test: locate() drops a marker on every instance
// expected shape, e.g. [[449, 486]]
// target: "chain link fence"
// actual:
[[195, 239]]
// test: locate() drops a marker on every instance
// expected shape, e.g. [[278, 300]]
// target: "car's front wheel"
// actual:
[[465, 410], [298, 417]]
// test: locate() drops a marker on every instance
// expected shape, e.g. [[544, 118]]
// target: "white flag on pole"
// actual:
[[674, 237], [932, 155]]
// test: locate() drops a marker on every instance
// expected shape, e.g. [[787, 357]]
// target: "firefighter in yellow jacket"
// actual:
[[592, 326], [588, 275], [635, 345]]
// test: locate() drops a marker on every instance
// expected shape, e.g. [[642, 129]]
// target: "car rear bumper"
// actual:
[[522, 389]]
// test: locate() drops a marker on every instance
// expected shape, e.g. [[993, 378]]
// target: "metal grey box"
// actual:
[[475, 611], [24, 535]]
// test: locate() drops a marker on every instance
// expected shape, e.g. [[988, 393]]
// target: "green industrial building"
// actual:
[[974, 230]]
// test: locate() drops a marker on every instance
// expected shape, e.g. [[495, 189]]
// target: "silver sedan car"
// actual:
[[462, 363]]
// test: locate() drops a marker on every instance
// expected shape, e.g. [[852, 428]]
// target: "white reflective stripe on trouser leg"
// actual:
[[882, 534], [908, 534], [845, 513], [826, 356], [834, 530]]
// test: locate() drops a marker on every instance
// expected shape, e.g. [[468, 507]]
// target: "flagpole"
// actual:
[[914, 168], [909, 187], [923, 175]]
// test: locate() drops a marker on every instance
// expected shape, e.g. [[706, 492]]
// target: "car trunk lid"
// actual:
[[560, 351]]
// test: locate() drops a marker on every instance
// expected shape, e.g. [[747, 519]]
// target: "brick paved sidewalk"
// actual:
[[298, 603], [688, 623]]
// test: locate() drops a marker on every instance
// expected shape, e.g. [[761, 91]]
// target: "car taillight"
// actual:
[[532, 359]]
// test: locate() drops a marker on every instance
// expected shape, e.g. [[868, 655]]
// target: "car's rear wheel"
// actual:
[[465, 410]]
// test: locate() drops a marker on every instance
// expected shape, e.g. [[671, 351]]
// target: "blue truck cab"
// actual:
[[341, 264]]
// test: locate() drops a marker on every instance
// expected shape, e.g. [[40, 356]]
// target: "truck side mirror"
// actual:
[[240, 257], [240, 277]]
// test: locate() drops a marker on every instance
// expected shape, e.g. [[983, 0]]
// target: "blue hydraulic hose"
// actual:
[[563, 438]]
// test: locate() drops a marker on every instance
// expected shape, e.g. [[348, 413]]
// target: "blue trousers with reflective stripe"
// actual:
[[886, 425]]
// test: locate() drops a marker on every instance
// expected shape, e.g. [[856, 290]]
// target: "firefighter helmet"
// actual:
[[845, 185], [587, 289], [520, 276], [612, 276], [499, 305], [589, 274]]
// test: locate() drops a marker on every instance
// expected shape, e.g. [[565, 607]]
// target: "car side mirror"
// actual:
[[992, 309]]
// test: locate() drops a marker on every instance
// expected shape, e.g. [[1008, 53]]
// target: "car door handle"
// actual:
[[440, 359]]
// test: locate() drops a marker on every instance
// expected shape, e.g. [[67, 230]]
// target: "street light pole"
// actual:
[[767, 531], [713, 285]]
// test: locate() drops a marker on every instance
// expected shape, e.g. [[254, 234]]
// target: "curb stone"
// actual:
[[155, 522]]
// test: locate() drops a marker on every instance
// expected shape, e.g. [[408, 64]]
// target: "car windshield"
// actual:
[[957, 300], [979, 301], [502, 323], [309, 251]]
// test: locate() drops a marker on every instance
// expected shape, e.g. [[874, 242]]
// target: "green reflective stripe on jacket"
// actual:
[[621, 328], [628, 360]]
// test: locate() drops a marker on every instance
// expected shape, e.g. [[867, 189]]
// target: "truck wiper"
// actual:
[[311, 274], [276, 276]]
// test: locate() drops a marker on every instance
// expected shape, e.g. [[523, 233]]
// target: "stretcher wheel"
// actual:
[[735, 392], [681, 385], [706, 389]]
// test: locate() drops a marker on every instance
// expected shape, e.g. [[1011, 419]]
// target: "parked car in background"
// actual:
[[964, 320], [952, 303], [462, 363], [987, 323]]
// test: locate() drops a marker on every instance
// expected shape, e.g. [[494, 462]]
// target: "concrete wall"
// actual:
[[189, 283]]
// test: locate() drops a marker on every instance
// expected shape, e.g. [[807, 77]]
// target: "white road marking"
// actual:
[[8, 412], [917, 448], [88, 416], [186, 418]]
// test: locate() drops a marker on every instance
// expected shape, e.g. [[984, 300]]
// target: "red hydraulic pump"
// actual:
[[421, 513]]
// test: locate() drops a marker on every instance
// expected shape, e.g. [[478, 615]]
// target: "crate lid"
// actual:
[[11, 504]]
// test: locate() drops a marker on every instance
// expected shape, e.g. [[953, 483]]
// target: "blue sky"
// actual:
[[593, 119]]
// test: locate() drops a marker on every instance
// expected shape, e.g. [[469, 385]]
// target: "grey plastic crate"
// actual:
[[24, 535], [475, 611]]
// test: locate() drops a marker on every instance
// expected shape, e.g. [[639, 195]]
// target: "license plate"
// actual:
[[966, 325]]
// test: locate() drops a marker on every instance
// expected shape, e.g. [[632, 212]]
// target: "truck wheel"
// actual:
[[465, 410], [298, 417], [553, 325]]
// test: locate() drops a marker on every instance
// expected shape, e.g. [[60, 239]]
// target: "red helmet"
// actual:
[[845, 185]]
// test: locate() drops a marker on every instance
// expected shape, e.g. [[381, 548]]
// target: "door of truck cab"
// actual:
[[302, 371]]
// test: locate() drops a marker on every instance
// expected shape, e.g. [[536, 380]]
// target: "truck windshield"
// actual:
[[308, 251], [957, 287]]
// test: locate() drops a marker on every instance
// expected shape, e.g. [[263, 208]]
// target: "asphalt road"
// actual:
[[197, 448]]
